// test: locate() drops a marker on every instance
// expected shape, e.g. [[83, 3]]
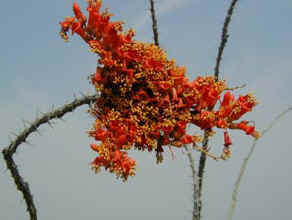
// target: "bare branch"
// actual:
[[224, 37], [202, 164], [21, 138], [20, 184], [245, 161], [196, 212], [196, 196], [154, 23], [45, 118], [196, 201]]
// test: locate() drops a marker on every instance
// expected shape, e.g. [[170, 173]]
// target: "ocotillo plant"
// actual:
[[143, 99]]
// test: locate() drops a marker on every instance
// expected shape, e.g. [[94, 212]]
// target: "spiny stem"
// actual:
[[196, 203], [224, 38], [154, 23], [9, 151]]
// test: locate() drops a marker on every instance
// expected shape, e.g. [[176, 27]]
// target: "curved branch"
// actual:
[[8, 152], [21, 185], [245, 161]]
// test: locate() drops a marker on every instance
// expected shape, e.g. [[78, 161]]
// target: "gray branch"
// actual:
[[245, 161], [224, 38], [154, 23], [8, 152], [196, 203]]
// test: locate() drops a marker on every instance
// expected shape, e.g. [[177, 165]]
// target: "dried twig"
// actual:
[[202, 150], [154, 23], [245, 161], [236, 87], [21, 138], [224, 38]]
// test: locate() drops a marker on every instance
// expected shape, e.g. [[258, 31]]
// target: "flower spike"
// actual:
[[146, 100]]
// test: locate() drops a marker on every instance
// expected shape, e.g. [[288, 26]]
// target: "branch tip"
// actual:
[[245, 162]]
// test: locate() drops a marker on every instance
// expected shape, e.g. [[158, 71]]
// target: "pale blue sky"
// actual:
[[39, 70]]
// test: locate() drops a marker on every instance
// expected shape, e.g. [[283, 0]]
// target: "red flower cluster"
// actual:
[[146, 100]]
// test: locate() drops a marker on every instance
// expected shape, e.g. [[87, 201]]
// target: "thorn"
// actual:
[[14, 134], [39, 133], [50, 124], [42, 114], [86, 93], [49, 116], [23, 123], [37, 113], [26, 121], [62, 119], [27, 142], [4, 170], [82, 94], [236, 87]]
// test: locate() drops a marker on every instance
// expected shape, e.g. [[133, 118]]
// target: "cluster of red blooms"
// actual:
[[146, 101]]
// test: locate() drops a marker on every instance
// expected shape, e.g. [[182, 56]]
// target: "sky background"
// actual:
[[39, 71]]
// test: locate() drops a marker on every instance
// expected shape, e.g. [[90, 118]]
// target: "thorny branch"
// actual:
[[245, 161], [198, 181], [195, 213], [196, 205], [224, 38], [8, 152], [20, 184], [154, 23], [202, 164]]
